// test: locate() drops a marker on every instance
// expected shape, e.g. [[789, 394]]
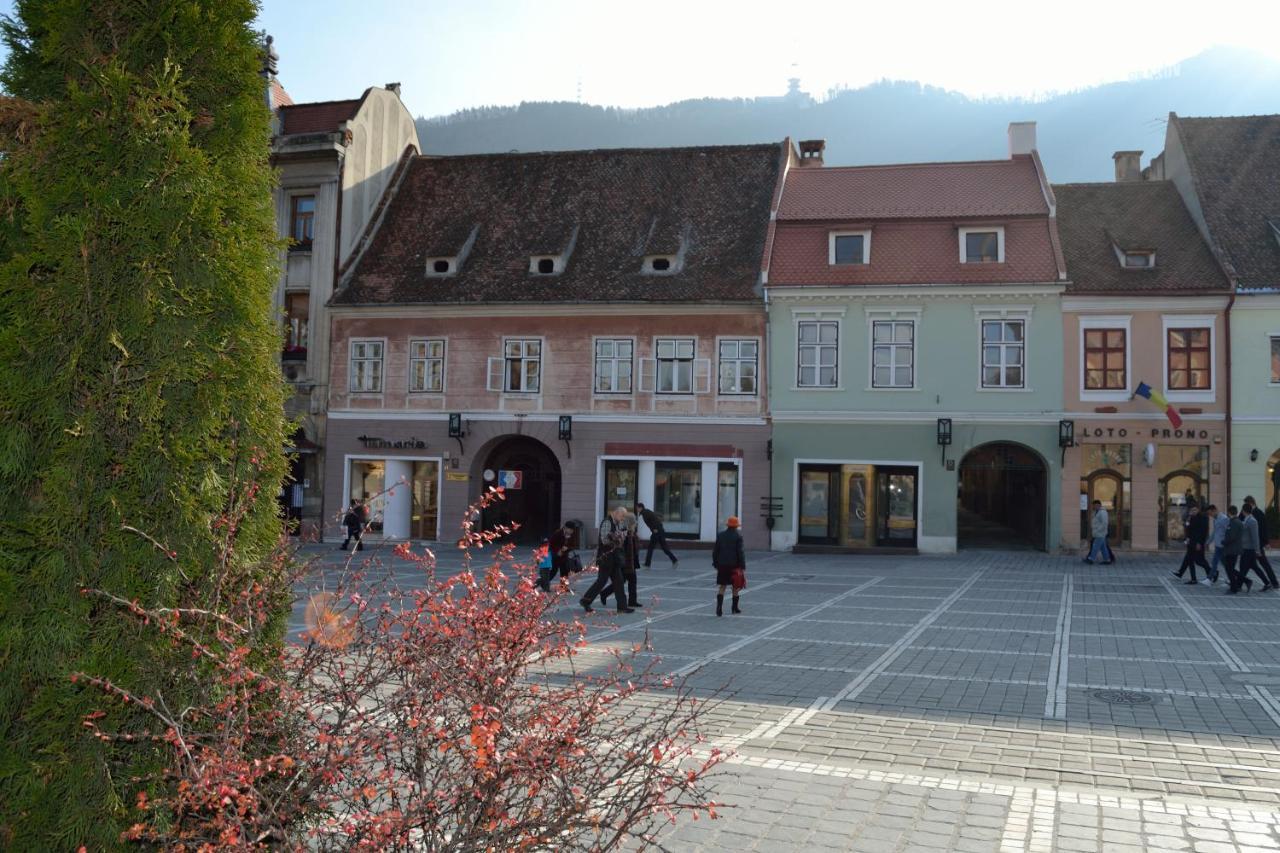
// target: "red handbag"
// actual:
[[738, 579]]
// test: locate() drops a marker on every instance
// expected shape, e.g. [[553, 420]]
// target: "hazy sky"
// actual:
[[452, 54]]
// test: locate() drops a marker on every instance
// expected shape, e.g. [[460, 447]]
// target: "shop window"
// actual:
[[1104, 360], [424, 523], [426, 366], [1107, 472], [614, 360], [367, 483], [1004, 349], [893, 353], [621, 478], [677, 497], [1189, 368], [726, 493], [366, 366], [738, 365], [1275, 359]]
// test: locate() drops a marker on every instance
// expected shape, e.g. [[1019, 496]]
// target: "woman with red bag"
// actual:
[[730, 559]]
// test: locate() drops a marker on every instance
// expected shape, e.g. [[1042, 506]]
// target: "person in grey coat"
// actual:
[[1249, 550], [1232, 541]]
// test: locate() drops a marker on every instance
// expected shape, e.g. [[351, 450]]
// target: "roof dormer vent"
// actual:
[[543, 265], [555, 246], [661, 264], [447, 253]]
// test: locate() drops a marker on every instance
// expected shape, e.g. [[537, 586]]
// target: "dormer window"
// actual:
[[846, 248], [982, 245], [1139, 260], [545, 265], [441, 267], [661, 264]]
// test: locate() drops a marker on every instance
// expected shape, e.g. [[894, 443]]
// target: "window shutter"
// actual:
[[648, 367], [702, 376], [495, 374]]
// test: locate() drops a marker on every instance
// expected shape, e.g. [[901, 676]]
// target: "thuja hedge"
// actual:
[[138, 370]]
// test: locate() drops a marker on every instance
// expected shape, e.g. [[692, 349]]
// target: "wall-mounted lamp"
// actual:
[[1066, 438], [1253, 455], [456, 430], [566, 433], [944, 437]]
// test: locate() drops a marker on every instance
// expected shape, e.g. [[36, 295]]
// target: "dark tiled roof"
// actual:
[[527, 204], [915, 191], [1235, 164], [1095, 219], [319, 117]]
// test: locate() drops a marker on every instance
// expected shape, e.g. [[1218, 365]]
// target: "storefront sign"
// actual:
[[457, 476], [1154, 432], [373, 442]]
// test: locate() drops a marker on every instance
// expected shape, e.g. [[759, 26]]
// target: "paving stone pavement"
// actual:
[[985, 701]]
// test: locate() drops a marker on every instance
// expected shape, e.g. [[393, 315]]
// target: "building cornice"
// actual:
[[1154, 302], [827, 293], [542, 309], [969, 417], [510, 417]]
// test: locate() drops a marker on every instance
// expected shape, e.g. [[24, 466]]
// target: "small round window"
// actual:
[[440, 266], [661, 264], [546, 266]]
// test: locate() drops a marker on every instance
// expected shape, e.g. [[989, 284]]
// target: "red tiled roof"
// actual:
[[620, 204], [319, 117], [1235, 165], [915, 191], [279, 97], [1096, 219]]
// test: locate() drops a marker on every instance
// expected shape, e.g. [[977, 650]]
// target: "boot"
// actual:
[[736, 609], [720, 605]]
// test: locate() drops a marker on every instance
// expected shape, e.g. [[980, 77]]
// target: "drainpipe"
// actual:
[[1226, 330]]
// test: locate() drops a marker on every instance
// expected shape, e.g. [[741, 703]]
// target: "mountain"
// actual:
[[893, 121]]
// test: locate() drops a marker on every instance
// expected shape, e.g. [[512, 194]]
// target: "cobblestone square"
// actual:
[[987, 701]]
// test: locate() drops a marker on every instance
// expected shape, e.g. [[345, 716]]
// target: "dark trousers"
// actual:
[[1195, 557], [1249, 560], [1233, 577], [609, 573], [1266, 566], [628, 576], [658, 538], [353, 532]]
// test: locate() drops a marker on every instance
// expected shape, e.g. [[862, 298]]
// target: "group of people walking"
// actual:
[[1237, 540], [618, 559]]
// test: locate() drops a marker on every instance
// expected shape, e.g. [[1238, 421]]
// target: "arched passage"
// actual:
[[530, 474], [1003, 493]]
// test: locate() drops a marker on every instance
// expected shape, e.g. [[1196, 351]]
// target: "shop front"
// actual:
[[859, 506], [1146, 477], [694, 496]]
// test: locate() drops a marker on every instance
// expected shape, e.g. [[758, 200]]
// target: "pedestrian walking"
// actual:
[[1249, 549], [354, 521], [558, 544], [1099, 525], [630, 562], [1264, 538], [1218, 523], [1232, 542], [657, 535], [1197, 536], [609, 559], [730, 560]]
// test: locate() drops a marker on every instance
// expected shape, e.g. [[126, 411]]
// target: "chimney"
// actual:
[[1022, 137], [1128, 166], [811, 151], [393, 88]]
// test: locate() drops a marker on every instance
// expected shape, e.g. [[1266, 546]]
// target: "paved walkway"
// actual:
[[981, 702]]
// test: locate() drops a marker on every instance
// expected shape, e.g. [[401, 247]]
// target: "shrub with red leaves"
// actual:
[[426, 713]]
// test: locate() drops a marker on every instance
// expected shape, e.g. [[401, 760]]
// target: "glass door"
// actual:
[[368, 481], [620, 479], [857, 502], [677, 497], [1108, 488], [819, 504], [896, 502], [424, 523], [726, 493]]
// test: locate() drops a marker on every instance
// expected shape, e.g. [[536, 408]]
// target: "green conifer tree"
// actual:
[[138, 371]]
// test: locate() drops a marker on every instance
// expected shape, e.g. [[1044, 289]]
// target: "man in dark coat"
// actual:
[[729, 554], [354, 521], [1264, 536], [609, 559], [657, 535], [1197, 536]]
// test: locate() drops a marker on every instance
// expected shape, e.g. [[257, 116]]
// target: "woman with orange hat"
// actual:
[[730, 559]]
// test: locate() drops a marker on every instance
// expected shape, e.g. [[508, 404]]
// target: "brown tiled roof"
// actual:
[[1096, 219], [722, 195], [915, 191], [318, 117], [1235, 166], [279, 97]]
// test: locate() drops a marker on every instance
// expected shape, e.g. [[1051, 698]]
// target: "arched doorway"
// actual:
[[530, 473], [1003, 490]]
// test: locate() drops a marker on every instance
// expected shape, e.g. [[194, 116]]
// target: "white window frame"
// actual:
[[894, 315], [739, 360], [1272, 339], [1006, 313], [866, 247], [615, 359], [499, 372], [1189, 321], [801, 320], [976, 229], [694, 364], [351, 364], [427, 359], [1004, 348], [1095, 321]]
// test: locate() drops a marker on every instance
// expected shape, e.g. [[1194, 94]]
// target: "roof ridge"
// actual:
[[322, 103], [871, 166], [556, 152]]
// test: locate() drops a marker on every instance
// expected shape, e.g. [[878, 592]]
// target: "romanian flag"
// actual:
[[1145, 390]]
